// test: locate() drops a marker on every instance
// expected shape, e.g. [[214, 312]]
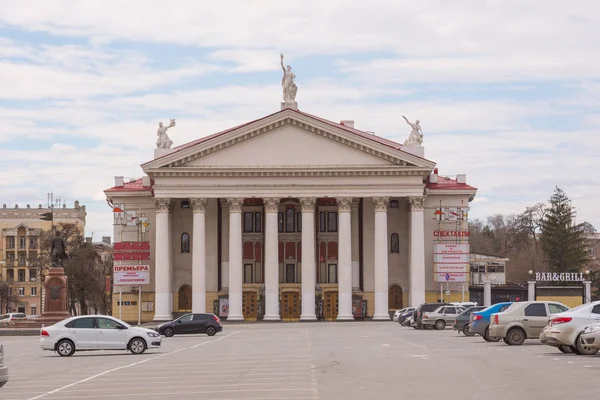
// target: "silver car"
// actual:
[[524, 320], [3, 368], [444, 315], [590, 337]]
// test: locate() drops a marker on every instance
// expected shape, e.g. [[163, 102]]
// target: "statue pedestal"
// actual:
[[416, 150], [289, 104], [161, 152], [56, 299]]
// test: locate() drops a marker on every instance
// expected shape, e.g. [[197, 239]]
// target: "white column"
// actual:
[[588, 291], [417, 252], [309, 272], [199, 256], [344, 260], [487, 293], [271, 260], [355, 246], [381, 259], [225, 245], [531, 290], [162, 265], [235, 260]]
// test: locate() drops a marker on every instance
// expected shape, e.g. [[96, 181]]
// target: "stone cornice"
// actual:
[[34, 213]]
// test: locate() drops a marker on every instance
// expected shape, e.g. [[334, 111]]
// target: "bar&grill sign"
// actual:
[[131, 275]]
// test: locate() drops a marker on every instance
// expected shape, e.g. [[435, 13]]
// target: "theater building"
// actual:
[[288, 217]]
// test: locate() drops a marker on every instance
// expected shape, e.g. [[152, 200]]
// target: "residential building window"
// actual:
[[322, 222], [332, 222], [10, 257], [257, 222], [290, 222], [21, 291], [10, 274], [185, 243], [185, 204], [248, 222], [332, 273], [34, 291], [21, 275], [22, 259], [280, 221], [11, 242], [22, 242], [33, 310], [298, 222], [32, 242], [32, 275], [21, 310], [395, 243]]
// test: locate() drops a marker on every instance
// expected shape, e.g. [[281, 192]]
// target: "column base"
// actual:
[[381, 317], [235, 318], [162, 318], [271, 318], [308, 318], [345, 318]]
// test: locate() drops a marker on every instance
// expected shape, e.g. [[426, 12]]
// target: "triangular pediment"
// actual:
[[288, 139]]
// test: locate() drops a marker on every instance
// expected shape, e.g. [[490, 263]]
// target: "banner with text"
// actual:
[[131, 275], [450, 262]]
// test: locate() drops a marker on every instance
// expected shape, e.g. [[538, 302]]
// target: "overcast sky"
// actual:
[[507, 92]]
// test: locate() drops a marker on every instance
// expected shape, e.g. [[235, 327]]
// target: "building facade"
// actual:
[[289, 217], [21, 244]]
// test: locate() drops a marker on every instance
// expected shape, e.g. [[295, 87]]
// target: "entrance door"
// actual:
[[184, 298], [395, 298], [250, 306], [331, 306], [290, 306]]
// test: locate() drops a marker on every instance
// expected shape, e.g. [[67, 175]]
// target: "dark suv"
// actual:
[[423, 308], [191, 323]]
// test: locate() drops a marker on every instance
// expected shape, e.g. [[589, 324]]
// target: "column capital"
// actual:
[[344, 204], [308, 204], [416, 203], [223, 202], [198, 205], [235, 205], [381, 203], [163, 204], [355, 202], [271, 204]]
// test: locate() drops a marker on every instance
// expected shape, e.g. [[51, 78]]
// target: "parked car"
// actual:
[[465, 304], [3, 368], [397, 314], [6, 319], [566, 329], [191, 323], [418, 314], [404, 316], [442, 316], [97, 332], [463, 319], [524, 320], [591, 337], [480, 321]]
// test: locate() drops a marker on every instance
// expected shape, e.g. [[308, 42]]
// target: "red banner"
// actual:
[[131, 256], [125, 246], [131, 251]]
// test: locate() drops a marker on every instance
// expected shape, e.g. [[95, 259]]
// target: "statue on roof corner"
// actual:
[[416, 134], [287, 82], [163, 141]]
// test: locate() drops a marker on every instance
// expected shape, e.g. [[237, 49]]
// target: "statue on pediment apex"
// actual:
[[163, 141], [287, 83], [416, 134]]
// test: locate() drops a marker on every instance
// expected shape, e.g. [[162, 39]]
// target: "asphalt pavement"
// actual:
[[358, 360]]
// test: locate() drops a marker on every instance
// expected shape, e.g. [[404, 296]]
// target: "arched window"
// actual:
[[290, 220], [395, 243], [185, 243]]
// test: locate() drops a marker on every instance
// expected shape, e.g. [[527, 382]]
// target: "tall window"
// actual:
[[257, 222], [34, 291], [395, 243], [11, 242], [21, 275], [290, 220], [21, 291], [22, 258], [185, 243], [322, 222], [248, 269], [248, 222], [32, 275], [332, 222], [332, 273], [22, 241], [32, 242], [298, 222], [280, 221]]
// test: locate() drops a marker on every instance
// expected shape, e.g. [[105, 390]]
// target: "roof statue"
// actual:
[[416, 134], [287, 83], [163, 141]]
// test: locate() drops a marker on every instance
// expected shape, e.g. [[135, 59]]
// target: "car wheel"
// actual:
[[169, 332], [488, 338], [467, 330], [505, 340], [137, 346], [515, 337], [211, 331], [565, 349], [582, 349], [65, 348], [440, 325]]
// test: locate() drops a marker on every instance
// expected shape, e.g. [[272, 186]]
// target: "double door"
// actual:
[[290, 306], [330, 308], [250, 306]]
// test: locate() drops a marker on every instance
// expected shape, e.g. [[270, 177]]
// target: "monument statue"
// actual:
[[58, 250], [287, 83], [416, 134], [163, 141]]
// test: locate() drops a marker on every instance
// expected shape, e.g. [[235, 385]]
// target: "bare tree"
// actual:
[[7, 297]]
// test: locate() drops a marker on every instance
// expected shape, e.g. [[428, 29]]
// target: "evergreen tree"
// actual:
[[563, 242]]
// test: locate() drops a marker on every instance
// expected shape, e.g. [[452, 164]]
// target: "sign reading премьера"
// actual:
[[131, 275]]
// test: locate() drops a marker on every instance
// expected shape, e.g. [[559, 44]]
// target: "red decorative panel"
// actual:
[[299, 251], [328, 201], [253, 202], [248, 251], [258, 251], [290, 250], [281, 252], [332, 251]]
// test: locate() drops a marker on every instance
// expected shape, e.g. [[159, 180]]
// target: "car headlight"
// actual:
[[152, 334], [592, 329]]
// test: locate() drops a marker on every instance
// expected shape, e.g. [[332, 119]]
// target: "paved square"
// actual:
[[356, 360]]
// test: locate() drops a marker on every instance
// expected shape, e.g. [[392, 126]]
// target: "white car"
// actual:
[[398, 313], [97, 332], [565, 329]]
